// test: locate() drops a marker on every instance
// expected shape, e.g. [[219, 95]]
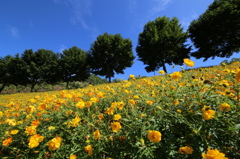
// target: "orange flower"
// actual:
[[35, 123], [176, 75], [224, 107], [213, 154], [97, 135], [116, 126], [72, 157], [88, 149], [154, 136], [238, 77], [7, 141], [209, 114], [186, 150]]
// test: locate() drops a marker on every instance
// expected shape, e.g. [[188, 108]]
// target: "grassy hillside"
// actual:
[[187, 114]]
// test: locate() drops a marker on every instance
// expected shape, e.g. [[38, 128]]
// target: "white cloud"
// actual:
[[81, 14], [62, 47], [14, 32], [159, 5]]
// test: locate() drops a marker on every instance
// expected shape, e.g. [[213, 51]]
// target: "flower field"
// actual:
[[186, 114]]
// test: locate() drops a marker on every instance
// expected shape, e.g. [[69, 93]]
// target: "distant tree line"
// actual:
[[216, 33]]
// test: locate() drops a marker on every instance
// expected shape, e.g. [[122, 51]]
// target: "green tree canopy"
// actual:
[[162, 42], [110, 54], [216, 33], [41, 66], [73, 65], [5, 77]]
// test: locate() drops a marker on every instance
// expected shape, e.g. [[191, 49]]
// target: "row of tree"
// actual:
[[216, 33]]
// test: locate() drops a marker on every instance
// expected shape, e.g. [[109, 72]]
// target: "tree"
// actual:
[[73, 65], [162, 42], [110, 54], [41, 66], [216, 33], [5, 77]]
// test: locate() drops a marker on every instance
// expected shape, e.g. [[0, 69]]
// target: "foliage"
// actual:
[[40, 66], [192, 114], [162, 42], [216, 32], [95, 80], [110, 54], [73, 65]]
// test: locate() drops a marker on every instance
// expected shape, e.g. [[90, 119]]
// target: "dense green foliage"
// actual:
[[111, 54], [216, 33], [162, 42]]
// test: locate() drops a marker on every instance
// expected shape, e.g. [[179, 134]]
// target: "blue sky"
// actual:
[[61, 24]]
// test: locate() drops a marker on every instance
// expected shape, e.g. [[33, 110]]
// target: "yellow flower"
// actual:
[[186, 150], [224, 107], [13, 132], [161, 72], [97, 135], [72, 157], [188, 62], [238, 77], [11, 122], [75, 121], [34, 140], [213, 154], [55, 143], [131, 76], [175, 102], [117, 117], [209, 114], [154, 136], [88, 149], [31, 109], [116, 126], [51, 127], [178, 111], [176, 75], [149, 102], [7, 141], [80, 104], [31, 130]]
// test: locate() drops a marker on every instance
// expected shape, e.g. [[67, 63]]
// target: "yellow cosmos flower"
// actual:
[[131, 76], [11, 122], [116, 126], [224, 107], [213, 154], [186, 150], [188, 62], [161, 72], [238, 77], [117, 117], [176, 75], [51, 127], [89, 150], [55, 143], [209, 114], [97, 135], [34, 140], [72, 157], [75, 121], [154, 136], [13, 132], [80, 104], [31, 130]]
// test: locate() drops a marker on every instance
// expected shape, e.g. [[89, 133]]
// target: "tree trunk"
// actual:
[[3, 85], [32, 87], [109, 79], [164, 67]]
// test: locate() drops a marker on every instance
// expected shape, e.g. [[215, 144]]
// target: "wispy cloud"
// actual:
[[185, 21], [62, 47], [159, 5], [14, 32], [81, 14]]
